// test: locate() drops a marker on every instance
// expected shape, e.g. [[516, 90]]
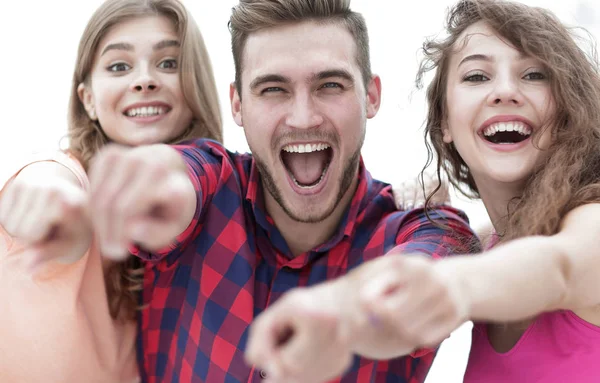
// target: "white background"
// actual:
[[39, 43]]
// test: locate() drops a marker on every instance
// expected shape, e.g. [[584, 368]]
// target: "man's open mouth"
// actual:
[[307, 164]]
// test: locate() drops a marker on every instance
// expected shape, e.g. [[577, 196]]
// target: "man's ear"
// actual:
[[236, 104], [373, 96]]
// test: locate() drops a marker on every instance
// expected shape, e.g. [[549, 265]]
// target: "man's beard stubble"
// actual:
[[348, 174]]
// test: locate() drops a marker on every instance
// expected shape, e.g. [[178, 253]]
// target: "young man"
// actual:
[[243, 229]]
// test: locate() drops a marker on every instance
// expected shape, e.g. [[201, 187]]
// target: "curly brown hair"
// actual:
[[570, 176], [86, 137]]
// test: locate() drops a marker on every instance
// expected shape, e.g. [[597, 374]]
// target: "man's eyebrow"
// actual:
[[258, 81], [333, 73]]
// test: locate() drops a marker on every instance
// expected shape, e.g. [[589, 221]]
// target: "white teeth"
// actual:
[[146, 111], [305, 148], [514, 126]]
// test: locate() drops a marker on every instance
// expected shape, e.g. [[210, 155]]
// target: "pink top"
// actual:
[[55, 324], [558, 347]]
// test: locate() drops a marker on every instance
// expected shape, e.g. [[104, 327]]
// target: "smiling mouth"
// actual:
[[307, 164], [506, 133], [147, 111]]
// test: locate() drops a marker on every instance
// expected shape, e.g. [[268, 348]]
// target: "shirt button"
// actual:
[[263, 374]]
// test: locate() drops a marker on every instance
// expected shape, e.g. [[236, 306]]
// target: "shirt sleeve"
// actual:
[[444, 233], [204, 161]]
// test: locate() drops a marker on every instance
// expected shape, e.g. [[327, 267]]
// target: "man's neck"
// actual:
[[302, 237]]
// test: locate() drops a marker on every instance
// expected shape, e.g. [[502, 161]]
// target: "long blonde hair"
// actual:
[[86, 137], [196, 76]]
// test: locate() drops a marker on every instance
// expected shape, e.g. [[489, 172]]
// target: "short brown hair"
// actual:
[[254, 15]]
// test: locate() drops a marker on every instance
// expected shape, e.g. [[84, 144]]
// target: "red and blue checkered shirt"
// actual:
[[201, 294]]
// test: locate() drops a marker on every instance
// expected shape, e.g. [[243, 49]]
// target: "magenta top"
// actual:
[[557, 347]]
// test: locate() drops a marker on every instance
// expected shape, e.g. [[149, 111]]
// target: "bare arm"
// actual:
[[535, 274]]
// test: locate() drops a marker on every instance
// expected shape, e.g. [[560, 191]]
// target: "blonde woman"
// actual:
[[143, 76]]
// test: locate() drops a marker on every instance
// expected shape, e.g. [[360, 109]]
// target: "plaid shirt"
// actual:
[[202, 293]]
